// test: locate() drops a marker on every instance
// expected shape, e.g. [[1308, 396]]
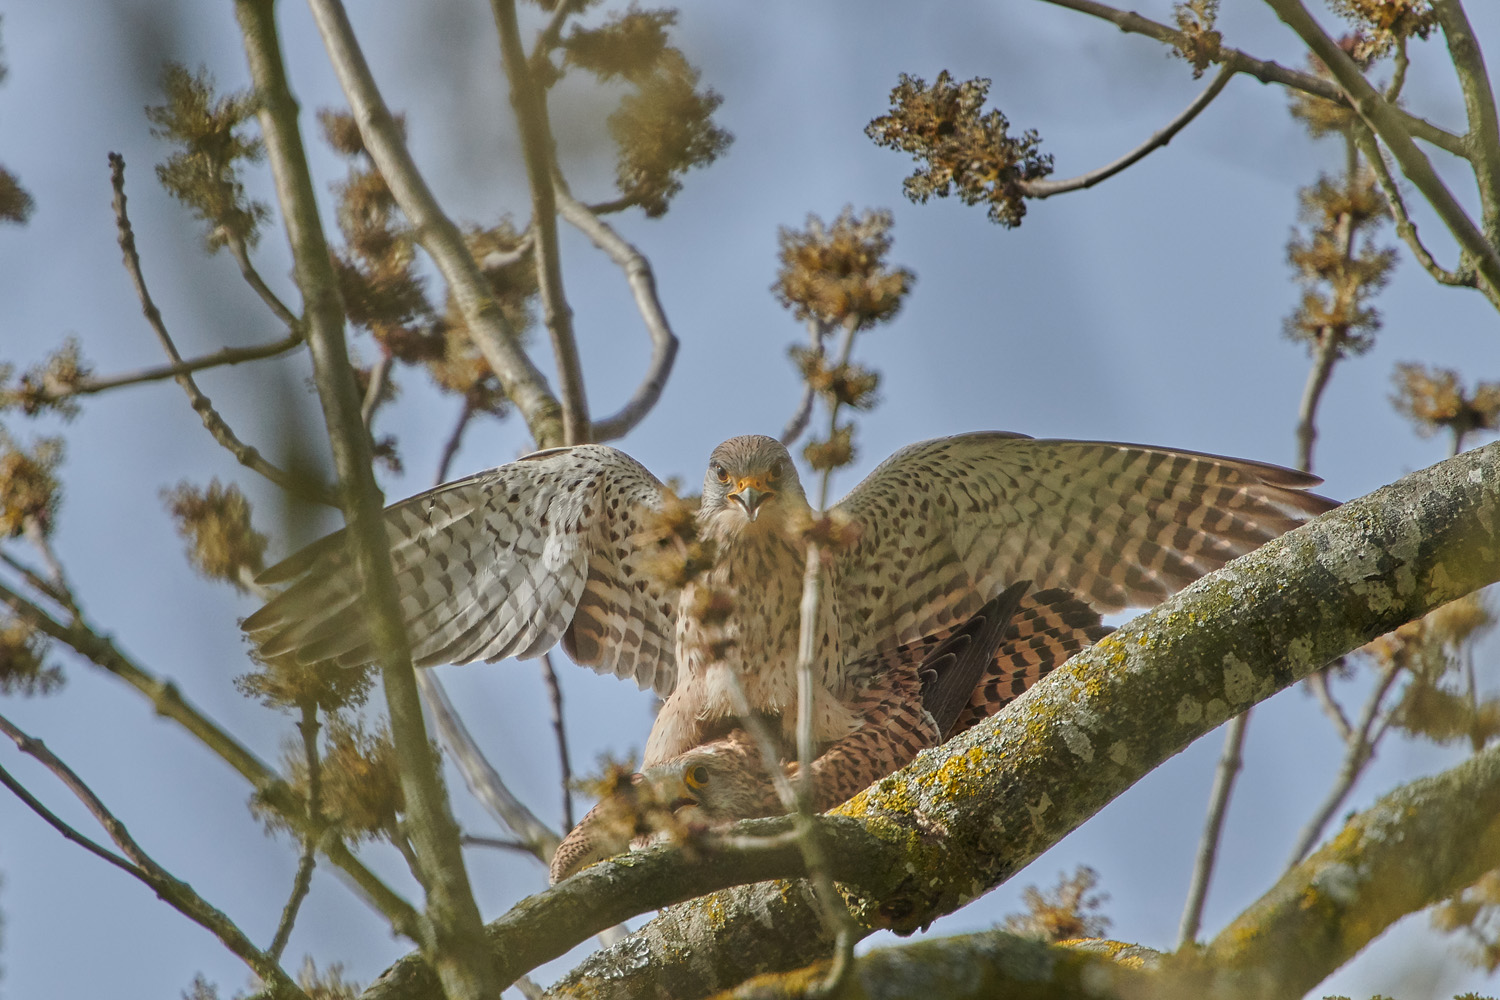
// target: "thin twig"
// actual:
[[38, 581], [1045, 189], [380, 373], [450, 447], [307, 727], [1324, 358], [170, 889], [169, 703], [224, 356], [1263, 70], [497, 340], [1318, 681], [529, 101], [470, 840], [1359, 750], [642, 283], [1230, 762], [1405, 228], [1398, 73], [216, 425], [481, 777], [57, 587], [551, 33], [241, 254], [816, 332], [555, 698]]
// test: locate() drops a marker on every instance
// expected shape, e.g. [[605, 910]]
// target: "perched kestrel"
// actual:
[[557, 546], [916, 696]]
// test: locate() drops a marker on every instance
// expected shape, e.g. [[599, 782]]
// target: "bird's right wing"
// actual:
[[502, 563]]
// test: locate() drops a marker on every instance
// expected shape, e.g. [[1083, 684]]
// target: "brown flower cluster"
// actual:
[[23, 660], [48, 385], [204, 173], [1384, 24], [1338, 265], [962, 149], [1438, 702], [832, 452], [29, 491], [1435, 400], [1200, 41], [838, 275], [1068, 912], [848, 384], [216, 523], [664, 126]]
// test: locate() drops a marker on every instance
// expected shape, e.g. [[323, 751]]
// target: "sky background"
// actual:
[[1147, 309]]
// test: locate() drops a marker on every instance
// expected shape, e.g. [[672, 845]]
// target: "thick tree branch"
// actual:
[[524, 385], [1262, 69], [1046, 189], [1394, 130], [964, 818], [452, 930], [643, 287], [1416, 846], [537, 147]]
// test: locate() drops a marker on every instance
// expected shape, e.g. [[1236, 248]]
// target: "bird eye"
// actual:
[[773, 475], [697, 777], [722, 473]]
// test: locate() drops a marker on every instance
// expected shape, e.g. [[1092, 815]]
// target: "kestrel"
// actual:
[[557, 546], [916, 697]]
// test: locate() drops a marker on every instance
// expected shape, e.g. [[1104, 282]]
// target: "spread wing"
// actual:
[[503, 563], [949, 523]]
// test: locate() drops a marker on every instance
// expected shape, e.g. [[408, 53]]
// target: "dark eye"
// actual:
[[722, 473], [697, 776], [773, 475]]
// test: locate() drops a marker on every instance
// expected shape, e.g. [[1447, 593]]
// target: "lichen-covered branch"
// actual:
[[451, 927], [1416, 846], [966, 817], [523, 383]]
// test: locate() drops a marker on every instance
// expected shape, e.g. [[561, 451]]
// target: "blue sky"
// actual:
[[1148, 309]]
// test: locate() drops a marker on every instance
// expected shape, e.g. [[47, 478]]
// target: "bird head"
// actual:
[[751, 481], [709, 786]]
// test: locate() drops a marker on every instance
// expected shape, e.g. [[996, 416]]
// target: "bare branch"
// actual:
[[171, 890], [481, 777], [1319, 683], [1263, 70], [1230, 762], [302, 881], [643, 286], [798, 423], [452, 933], [1405, 228], [450, 446], [169, 703], [523, 383], [236, 244], [554, 697], [1046, 189], [216, 425], [219, 358], [1359, 749], [379, 375], [1395, 130], [529, 102], [1479, 102]]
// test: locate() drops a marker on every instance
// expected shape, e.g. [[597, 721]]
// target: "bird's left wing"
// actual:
[[503, 563], [947, 524]]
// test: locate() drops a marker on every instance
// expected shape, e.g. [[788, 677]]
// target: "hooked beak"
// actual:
[[751, 493]]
